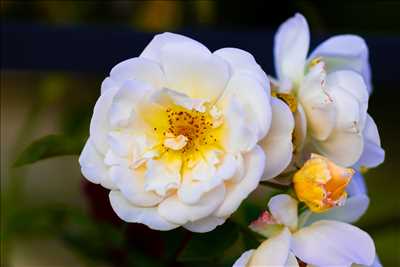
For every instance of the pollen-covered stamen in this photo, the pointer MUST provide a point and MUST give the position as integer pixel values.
(217, 118)
(289, 99)
(175, 142)
(315, 61)
(188, 130)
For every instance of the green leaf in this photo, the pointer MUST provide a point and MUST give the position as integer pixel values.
(210, 246)
(47, 147)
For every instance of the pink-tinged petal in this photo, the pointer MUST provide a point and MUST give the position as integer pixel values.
(332, 243)
(266, 225)
(263, 220)
(290, 48)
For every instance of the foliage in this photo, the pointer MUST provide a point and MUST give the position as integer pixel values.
(49, 146)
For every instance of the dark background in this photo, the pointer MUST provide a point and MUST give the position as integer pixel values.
(54, 55)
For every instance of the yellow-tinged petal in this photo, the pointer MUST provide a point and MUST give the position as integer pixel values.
(321, 184)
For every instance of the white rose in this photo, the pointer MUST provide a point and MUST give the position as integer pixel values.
(174, 134)
(328, 94)
(322, 243)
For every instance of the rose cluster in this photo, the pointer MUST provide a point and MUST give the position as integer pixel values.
(181, 136)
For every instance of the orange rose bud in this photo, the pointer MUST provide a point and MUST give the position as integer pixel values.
(321, 184)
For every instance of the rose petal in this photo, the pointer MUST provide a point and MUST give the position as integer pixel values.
(242, 61)
(345, 52)
(177, 212)
(332, 243)
(128, 97)
(237, 192)
(134, 214)
(373, 154)
(204, 225)
(318, 104)
(354, 84)
(140, 69)
(132, 186)
(203, 177)
(238, 135)
(350, 212)
(343, 148)
(253, 99)
(107, 84)
(277, 145)
(93, 167)
(273, 251)
(153, 49)
(191, 70)
(163, 174)
(100, 125)
(290, 48)
(284, 210)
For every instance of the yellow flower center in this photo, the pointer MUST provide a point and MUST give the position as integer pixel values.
(187, 130)
(321, 184)
(182, 132)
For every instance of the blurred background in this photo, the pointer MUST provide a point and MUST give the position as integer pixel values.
(54, 56)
